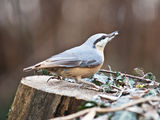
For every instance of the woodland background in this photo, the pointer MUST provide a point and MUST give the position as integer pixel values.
(33, 30)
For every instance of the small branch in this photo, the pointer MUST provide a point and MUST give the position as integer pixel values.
(111, 98)
(131, 76)
(89, 116)
(108, 97)
(113, 86)
(105, 110)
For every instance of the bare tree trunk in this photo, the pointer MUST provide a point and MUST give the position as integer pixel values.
(38, 100)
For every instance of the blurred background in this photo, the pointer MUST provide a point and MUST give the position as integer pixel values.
(33, 30)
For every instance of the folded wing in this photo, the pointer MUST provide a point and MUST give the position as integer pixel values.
(68, 60)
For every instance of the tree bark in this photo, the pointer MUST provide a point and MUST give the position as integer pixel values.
(37, 99)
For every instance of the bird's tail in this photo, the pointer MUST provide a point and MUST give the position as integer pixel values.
(33, 67)
(29, 68)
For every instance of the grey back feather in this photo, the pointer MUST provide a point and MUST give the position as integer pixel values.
(80, 56)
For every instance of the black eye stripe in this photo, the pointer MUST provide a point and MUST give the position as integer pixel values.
(99, 39)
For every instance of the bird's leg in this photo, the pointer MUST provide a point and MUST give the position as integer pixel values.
(79, 80)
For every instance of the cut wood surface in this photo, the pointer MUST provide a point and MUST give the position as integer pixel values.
(37, 99)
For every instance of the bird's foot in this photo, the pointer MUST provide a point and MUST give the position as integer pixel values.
(90, 85)
(54, 77)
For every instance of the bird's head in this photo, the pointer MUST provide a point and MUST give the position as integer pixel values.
(100, 40)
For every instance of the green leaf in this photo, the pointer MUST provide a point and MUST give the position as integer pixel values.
(111, 77)
(87, 104)
(140, 85)
(119, 77)
(123, 115)
(107, 87)
(118, 74)
(138, 72)
(131, 82)
(150, 76)
(100, 78)
(45, 72)
(95, 81)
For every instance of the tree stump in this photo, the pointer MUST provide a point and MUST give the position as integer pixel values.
(37, 99)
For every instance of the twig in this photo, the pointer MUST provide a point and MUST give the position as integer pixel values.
(111, 98)
(90, 115)
(105, 110)
(131, 76)
(108, 97)
(118, 88)
(120, 94)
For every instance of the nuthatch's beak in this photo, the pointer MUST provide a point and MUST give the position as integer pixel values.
(112, 35)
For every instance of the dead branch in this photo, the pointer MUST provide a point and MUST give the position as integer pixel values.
(105, 110)
(131, 76)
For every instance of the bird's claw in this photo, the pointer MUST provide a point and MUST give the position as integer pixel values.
(91, 86)
(50, 78)
(54, 77)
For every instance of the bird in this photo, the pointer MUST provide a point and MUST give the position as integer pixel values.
(78, 62)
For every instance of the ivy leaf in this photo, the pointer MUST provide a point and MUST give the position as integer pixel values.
(131, 82)
(100, 78)
(87, 104)
(140, 86)
(123, 115)
(107, 87)
(118, 76)
(97, 82)
(150, 76)
(138, 72)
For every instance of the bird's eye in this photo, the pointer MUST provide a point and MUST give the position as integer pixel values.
(103, 37)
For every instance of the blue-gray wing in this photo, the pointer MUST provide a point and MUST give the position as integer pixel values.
(73, 58)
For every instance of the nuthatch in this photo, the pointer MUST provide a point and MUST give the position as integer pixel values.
(79, 62)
